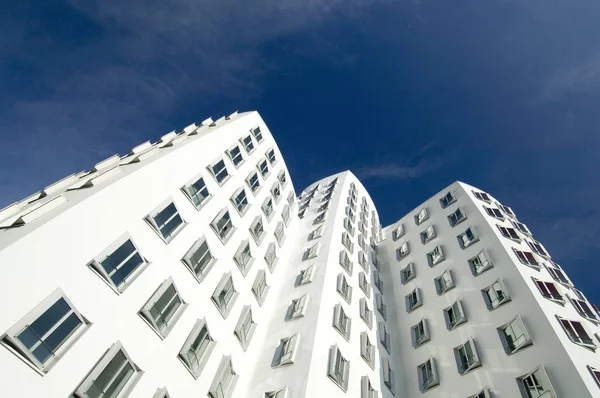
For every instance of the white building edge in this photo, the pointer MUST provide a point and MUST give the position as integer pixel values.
(187, 268)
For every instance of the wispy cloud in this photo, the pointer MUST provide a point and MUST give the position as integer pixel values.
(581, 78)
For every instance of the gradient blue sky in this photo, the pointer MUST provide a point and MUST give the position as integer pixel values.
(410, 95)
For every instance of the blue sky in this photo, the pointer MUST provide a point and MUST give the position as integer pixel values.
(411, 95)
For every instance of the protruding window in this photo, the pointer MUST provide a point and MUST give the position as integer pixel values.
(549, 291)
(225, 295)
(583, 306)
(514, 335)
(467, 357)
(199, 259)
(297, 308)
(421, 216)
(271, 257)
(164, 308)
(364, 285)
(388, 375)
(485, 393)
(366, 314)
(253, 182)
(257, 134)
(408, 273)
(225, 379)
(341, 322)
(435, 256)
(457, 217)
(219, 171)
(243, 257)
(270, 154)
(260, 287)
(197, 348)
(320, 218)
(428, 234)
(367, 350)
(420, 333)
(339, 368)
(577, 333)
(480, 263)
(343, 288)
(536, 384)
(257, 230)
(347, 242)
(282, 177)
(455, 315)
(467, 238)
(263, 168)
(248, 144)
(223, 226)
(495, 295)
(384, 337)
(366, 388)
(509, 233)
(240, 201)
(345, 262)
(267, 208)
(305, 276)
(235, 155)
(166, 221)
(482, 196)
(276, 192)
(494, 212)
(245, 327)
(402, 251)
(398, 232)
(521, 227)
(537, 248)
(428, 375)
(381, 307)
(197, 192)
(312, 251)
(286, 351)
(447, 200)
(414, 300)
(277, 394)
(444, 282)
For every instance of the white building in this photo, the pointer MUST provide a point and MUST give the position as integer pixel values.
(186, 268)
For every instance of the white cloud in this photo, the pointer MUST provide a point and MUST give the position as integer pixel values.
(581, 78)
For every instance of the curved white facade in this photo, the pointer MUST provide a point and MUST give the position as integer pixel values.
(186, 268)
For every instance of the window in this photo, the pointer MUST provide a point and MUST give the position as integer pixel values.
(267, 208)
(388, 375)
(253, 183)
(398, 232)
(312, 251)
(485, 393)
(225, 295)
(480, 263)
(282, 177)
(366, 314)
(595, 373)
(259, 287)
(482, 196)
(507, 210)
(421, 216)
(341, 322)
(343, 288)
(494, 212)
(467, 238)
(495, 295)
(270, 154)
(257, 134)
(271, 257)
(348, 225)
(197, 192)
(447, 200)
(378, 282)
(297, 307)
(316, 233)
(514, 335)
(225, 379)
(248, 144)
(363, 283)
(536, 384)
(257, 230)
(166, 221)
(244, 329)
(384, 336)
(428, 375)
(363, 261)
(549, 291)
(320, 218)
(408, 273)
(240, 201)
(286, 351)
(345, 262)
(163, 309)
(197, 348)
(467, 357)
(402, 251)
(243, 257)
(350, 213)
(198, 259)
(366, 389)
(223, 226)
(347, 242)
(455, 315)
(339, 368)
(577, 333)
(457, 217)
(413, 300)
(47, 331)
(279, 233)
(537, 248)
(527, 258)
(161, 393)
(119, 264)
(263, 168)
(521, 227)
(435, 256)
(381, 307)
(285, 215)
(235, 154)
(305, 276)
(420, 333)
(509, 233)
(219, 171)
(367, 350)
(276, 394)
(444, 282)
(276, 192)
(114, 373)
(583, 306)
(557, 273)
(291, 198)
(428, 234)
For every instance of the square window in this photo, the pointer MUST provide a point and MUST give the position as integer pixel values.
(378, 281)
(235, 155)
(485, 393)
(305, 276)
(495, 295)
(341, 322)
(271, 257)
(164, 308)
(347, 242)
(467, 238)
(408, 273)
(397, 232)
(47, 331)
(244, 329)
(166, 220)
(364, 285)
(413, 300)
(345, 262)
(253, 182)
(558, 275)
(457, 217)
(260, 287)
(279, 233)
(402, 251)
(537, 248)
(420, 333)
(388, 375)
(297, 308)
(312, 251)
(267, 208)
(447, 200)
(455, 315)
(243, 257)
(421, 216)
(222, 225)
(199, 259)
(435, 256)
(286, 351)
(444, 282)
(276, 394)
(549, 291)
(282, 177)
(248, 144)
(285, 215)
(240, 201)
(257, 230)
(428, 375)
(196, 192)
(225, 295)
(366, 388)
(366, 313)
(263, 168)
(339, 368)
(320, 218)
(480, 263)
(381, 307)
(316, 233)
(536, 384)
(521, 227)
(276, 192)
(367, 350)
(577, 333)
(384, 337)
(348, 225)
(509, 233)
(482, 196)
(119, 264)
(197, 348)
(494, 212)
(467, 357)
(527, 258)
(514, 335)
(114, 374)
(343, 288)
(270, 154)
(218, 170)
(428, 234)
(225, 379)
(257, 134)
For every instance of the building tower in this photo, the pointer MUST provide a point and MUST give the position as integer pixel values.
(188, 267)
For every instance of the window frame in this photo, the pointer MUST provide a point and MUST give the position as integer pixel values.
(223, 282)
(402, 251)
(381, 306)
(535, 264)
(549, 295)
(244, 268)
(225, 366)
(254, 189)
(413, 300)
(248, 144)
(150, 220)
(418, 338)
(459, 321)
(453, 216)
(343, 288)
(297, 308)
(366, 388)
(464, 241)
(431, 261)
(398, 232)
(287, 357)
(245, 337)
(433, 377)
(485, 265)
(345, 262)
(410, 269)
(428, 234)
(146, 311)
(215, 175)
(388, 375)
(422, 216)
(254, 230)
(575, 337)
(268, 153)
(260, 279)
(445, 276)
(257, 134)
(363, 284)
(233, 157)
(190, 196)
(270, 257)
(489, 302)
(527, 342)
(367, 350)
(546, 383)
(186, 259)
(506, 233)
(464, 347)
(266, 172)
(279, 233)
(342, 322)
(268, 208)
(305, 275)
(234, 201)
(339, 377)
(365, 313)
(214, 226)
